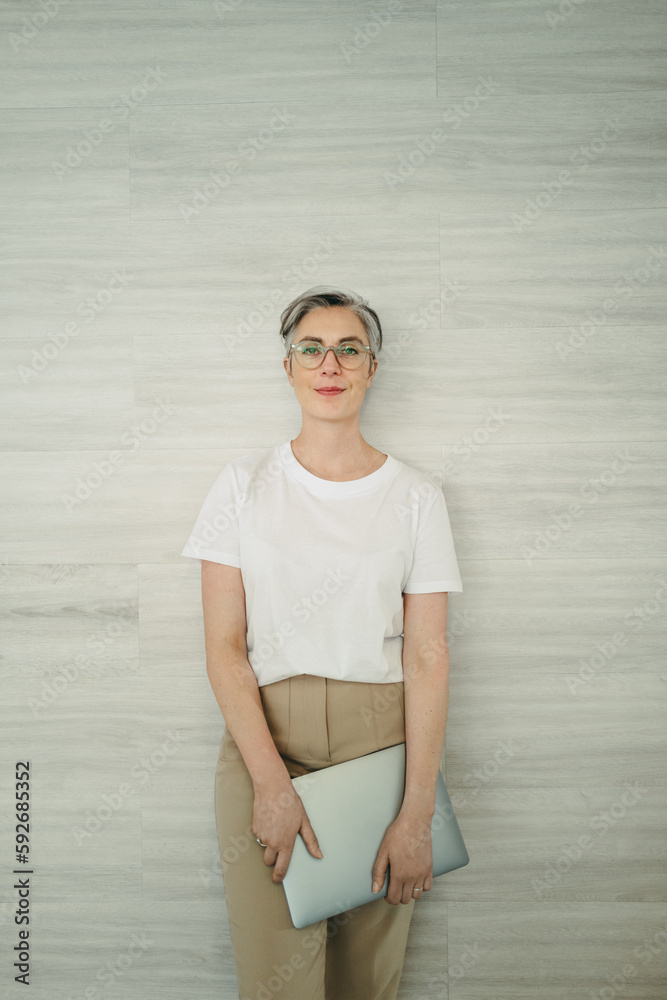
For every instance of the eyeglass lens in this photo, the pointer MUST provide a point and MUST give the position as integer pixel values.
(309, 354)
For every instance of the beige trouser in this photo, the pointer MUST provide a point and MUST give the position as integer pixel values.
(356, 955)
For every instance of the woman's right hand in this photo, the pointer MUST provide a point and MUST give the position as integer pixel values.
(278, 816)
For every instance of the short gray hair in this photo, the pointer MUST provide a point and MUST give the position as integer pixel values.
(325, 297)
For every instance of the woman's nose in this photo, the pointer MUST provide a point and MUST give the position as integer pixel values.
(335, 362)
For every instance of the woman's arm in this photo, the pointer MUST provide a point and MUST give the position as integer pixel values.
(232, 677)
(406, 847)
(426, 688)
(279, 814)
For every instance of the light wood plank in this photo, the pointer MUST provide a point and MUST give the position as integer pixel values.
(365, 156)
(549, 47)
(204, 52)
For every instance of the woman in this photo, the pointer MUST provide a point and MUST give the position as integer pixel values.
(325, 570)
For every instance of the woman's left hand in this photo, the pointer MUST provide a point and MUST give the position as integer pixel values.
(406, 848)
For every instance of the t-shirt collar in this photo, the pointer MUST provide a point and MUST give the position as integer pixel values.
(331, 488)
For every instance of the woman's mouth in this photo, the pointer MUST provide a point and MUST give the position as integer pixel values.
(332, 391)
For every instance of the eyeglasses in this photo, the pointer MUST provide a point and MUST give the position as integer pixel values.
(310, 354)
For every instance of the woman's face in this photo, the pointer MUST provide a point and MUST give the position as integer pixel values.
(330, 327)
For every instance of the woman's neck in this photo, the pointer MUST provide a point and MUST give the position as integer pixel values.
(337, 460)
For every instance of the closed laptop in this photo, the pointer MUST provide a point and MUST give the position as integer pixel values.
(350, 806)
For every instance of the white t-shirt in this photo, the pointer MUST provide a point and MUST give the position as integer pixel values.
(325, 564)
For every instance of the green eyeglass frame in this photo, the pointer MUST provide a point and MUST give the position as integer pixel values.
(338, 351)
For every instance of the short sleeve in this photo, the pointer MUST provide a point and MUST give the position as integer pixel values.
(215, 535)
(434, 566)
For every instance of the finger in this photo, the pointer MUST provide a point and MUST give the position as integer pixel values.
(282, 865)
(394, 891)
(379, 873)
(309, 839)
(270, 856)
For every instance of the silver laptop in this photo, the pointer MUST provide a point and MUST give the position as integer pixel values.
(350, 806)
